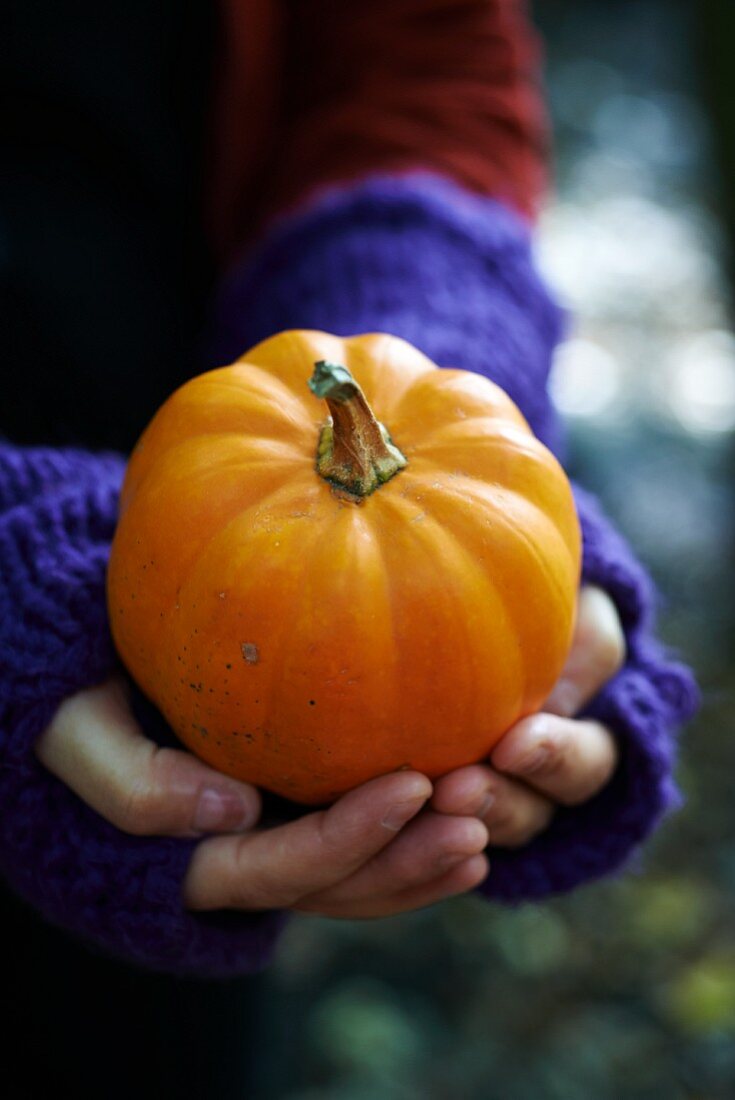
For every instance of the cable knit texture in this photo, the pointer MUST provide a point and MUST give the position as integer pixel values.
(122, 893)
(452, 273)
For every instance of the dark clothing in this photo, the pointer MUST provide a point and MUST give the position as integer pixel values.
(104, 278)
(104, 265)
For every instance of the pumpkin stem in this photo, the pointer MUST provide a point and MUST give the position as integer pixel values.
(355, 452)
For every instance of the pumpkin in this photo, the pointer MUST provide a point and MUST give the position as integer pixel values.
(321, 575)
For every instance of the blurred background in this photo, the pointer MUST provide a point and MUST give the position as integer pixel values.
(626, 989)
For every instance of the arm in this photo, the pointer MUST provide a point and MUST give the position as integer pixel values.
(119, 891)
(643, 705)
(381, 87)
(106, 838)
(123, 892)
(447, 264)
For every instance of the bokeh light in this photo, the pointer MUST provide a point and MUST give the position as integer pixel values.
(586, 379)
(699, 382)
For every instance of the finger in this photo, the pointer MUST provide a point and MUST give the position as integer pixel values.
(421, 854)
(275, 868)
(95, 746)
(458, 880)
(465, 876)
(512, 812)
(597, 653)
(568, 760)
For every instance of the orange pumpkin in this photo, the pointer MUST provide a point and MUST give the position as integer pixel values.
(313, 601)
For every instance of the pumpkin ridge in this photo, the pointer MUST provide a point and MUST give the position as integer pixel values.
(185, 401)
(289, 356)
(456, 395)
(285, 406)
(200, 561)
(430, 533)
(253, 377)
(490, 430)
(266, 501)
(481, 488)
(181, 447)
(369, 369)
(358, 536)
(185, 570)
(472, 487)
(515, 450)
(197, 584)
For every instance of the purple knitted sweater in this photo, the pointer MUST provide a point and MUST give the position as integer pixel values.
(453, 273)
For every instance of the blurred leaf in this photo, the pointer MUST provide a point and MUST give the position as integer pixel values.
(533, 940)
(670, 912)
(361, 1025)
(703, 998)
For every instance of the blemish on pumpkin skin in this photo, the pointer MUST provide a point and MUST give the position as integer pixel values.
(250, 652)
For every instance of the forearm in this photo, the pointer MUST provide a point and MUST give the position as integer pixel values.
(122, 893)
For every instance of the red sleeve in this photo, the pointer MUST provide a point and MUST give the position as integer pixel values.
(314, 92)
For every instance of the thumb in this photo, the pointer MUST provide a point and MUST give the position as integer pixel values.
(95, 746)
(598, 652)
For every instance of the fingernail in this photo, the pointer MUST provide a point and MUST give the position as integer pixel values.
(218, 809)
(564, 699)
(533, 763)
(484, 806)
(451, 859)
(402, 812)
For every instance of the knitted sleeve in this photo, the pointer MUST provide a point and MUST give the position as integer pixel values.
(453, 273)
(118, 892)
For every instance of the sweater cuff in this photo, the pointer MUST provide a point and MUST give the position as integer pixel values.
(117, 892)
(413, 255)
(643, 706)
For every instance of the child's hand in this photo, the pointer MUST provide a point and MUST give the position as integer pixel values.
(363, 857)
(547, 759)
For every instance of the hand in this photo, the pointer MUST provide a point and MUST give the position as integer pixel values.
(549, 758)
(368, 855)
